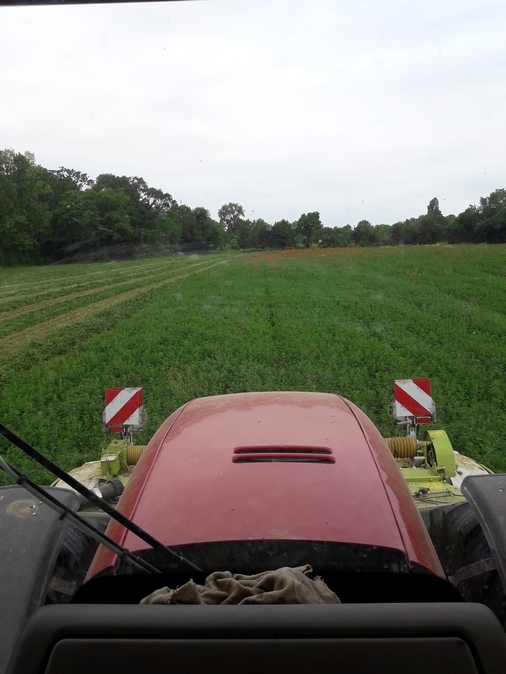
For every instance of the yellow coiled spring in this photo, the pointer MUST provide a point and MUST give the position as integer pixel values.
(134, 453)
(402, 448)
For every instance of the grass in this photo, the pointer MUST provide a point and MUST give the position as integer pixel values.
(348, 321)
(28, 323)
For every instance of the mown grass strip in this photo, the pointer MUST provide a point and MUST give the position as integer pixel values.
(44, 314)
(21, 311)
(65, 343)
(20, 339)
(89, 280)
(11, 277)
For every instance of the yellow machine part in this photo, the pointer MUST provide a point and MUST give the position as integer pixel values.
(444, 454)
(402, 448)
(133, 454)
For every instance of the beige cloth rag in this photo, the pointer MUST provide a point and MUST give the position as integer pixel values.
(282, 586)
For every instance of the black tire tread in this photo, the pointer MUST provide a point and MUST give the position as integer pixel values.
(468, 545)
(74, 558)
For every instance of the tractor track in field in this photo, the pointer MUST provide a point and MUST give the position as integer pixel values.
(27, 309)
(18, 340)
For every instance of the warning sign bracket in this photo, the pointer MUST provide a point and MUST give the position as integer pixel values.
(124, 412)
(413, 404)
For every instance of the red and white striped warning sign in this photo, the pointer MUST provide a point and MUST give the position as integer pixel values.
(123, 407)
(413, 398)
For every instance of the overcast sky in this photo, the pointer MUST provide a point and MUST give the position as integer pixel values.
(353, 109)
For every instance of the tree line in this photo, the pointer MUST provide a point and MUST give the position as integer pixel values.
(64, 215)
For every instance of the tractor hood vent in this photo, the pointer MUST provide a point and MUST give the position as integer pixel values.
(282, 454)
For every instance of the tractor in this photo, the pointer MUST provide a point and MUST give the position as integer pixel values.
(408, 533)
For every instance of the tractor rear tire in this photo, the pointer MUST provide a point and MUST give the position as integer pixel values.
(74, 559)
(468, 545)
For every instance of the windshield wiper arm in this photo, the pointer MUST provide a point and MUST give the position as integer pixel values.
(96, 500)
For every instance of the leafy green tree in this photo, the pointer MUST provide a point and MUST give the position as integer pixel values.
(485, 223)
(405, 232)
(398, 233)
(492, 204)
(74, 179)
(344, 236)
(8, 208)
(169, 229)
(229, 215)
(24, 215)
(107, 215)
(243, 232)
(364, 234)
(430, 226)
(146, 205)
(207, 231)
(309, 227)
(186, 222)
(337, 237)
(65, 227)
(383, 235)
(492, 223)
(259, 234)
(69, 221)
(329, 237)
(283, 234)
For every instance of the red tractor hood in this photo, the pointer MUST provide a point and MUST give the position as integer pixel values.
(283, 465)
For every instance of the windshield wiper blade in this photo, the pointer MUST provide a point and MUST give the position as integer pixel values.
(96, 500)
(66, 513)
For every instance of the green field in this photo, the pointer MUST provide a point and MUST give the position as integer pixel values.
(348, 321)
